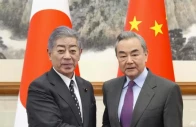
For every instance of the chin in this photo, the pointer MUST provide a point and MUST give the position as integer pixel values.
(67, 71)
(131, 75)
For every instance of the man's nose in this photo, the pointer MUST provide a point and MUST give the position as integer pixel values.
(129, 59)
(67, 55)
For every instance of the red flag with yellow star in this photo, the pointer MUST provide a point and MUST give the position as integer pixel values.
(148, 18)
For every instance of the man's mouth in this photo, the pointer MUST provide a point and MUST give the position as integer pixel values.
(67, 65)
(130, 68)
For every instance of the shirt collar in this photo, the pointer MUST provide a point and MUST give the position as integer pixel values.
(66, 79)
(139, 81)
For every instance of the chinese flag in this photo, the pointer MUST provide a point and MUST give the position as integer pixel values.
(148, 18)
(46, 15)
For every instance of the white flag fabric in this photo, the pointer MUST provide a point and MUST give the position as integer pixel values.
(46, 15)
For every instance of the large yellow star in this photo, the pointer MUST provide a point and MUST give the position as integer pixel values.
(134, 24)
(157, 28)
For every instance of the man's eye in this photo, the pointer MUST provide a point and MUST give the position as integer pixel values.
(60, 51)
(73, 51)
(122, 56)
(135, 54)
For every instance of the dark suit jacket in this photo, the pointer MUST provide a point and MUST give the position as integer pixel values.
(159, 103)
(50, 103)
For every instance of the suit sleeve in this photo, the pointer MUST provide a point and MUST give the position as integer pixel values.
(105, 119)
(42, 110)
(173, 110)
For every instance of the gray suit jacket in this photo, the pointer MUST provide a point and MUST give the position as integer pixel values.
(159, 103)
(50, 103)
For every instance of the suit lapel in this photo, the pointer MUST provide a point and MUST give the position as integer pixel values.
(115, 97)
(84, 100)
(63, 91)
(144, 98)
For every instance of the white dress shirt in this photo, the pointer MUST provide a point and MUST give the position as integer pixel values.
(139, 81)
(75, 86)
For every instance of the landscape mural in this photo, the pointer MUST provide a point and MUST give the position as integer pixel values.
(98, 22)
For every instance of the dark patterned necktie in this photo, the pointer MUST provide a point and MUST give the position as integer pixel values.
(75, 98)
(127, 109)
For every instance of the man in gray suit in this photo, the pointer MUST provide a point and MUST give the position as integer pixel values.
(59, 98)
(140, 98)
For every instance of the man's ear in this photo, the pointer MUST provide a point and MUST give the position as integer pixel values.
(146, 54)
(49, 54)
(80, 52)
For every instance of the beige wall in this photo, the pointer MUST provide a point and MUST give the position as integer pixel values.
(96, 67)
(8, 108)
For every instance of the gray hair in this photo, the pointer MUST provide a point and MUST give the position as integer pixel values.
(125, 35)
(62, 31)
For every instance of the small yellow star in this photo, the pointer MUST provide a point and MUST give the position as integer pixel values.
(134, 24)
(157, 28)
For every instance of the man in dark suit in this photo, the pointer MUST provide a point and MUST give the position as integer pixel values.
(140, 98)
(59, 98)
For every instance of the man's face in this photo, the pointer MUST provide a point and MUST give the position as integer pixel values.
(65, 55)
(131, 57)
